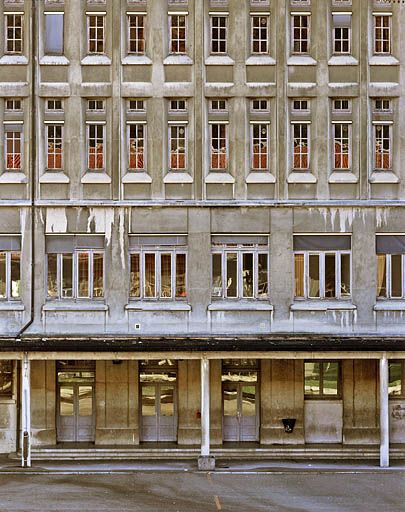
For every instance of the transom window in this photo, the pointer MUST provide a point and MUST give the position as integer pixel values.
(300, 33)
(382, 34)
(136, 33)
(95, 144)
(259, 34)
(219, 29)
(259, 133)
(177, 145)
(6, 379)
(382, 146)
(54, 146)
(136, 146)
(396, 382)
(178, 33)
(14, 33)
(96, 33)
(322, 379)
(219, 146)
(240, 269)
(341, 145)
(10, 275)
(13, 105)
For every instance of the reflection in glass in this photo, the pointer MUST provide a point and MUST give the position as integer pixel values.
(396, 275)
(15, 275)
(67, 275)
(395, 378)
(231, 274)
(3, 282)
(83, 262)
(217, 275)
(330, 378)
(150, 275)
(180, 275)
(135, 288)
(263, 275)
(166, 401)
(312, 378)
(247, 274)
(248, 400)
(381, 276)
(330, 276)
(166, 275)
(52, 275)
(148, 400)
(66, 401)
(299, 275)
(314, 275)
(230, 397)
(98, 275)
(85, 400)
(345, 275)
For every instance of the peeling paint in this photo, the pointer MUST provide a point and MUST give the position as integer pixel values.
(56, 220)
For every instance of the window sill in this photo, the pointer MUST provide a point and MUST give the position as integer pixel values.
(343, 177)
(13, 177)
(86, 305)
(260, 60)
(158, 306)
(390, 305)
(322, 305)
(173, 60)
(54, 177)
(136, 177)
(54, 60)
(95, 177)
(14, 60)
(383, 177)
(240, 305)
(178, 177)
(343, 60)
(219, 60)
(260, 177)
(136, 60)
(7, 401)
(301, 177)
(96, 60)
(11, 306)
(383, 60)
(219, 177)
(301, 60)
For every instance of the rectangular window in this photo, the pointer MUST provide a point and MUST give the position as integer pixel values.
(6, 379)
(177, 145)
(54, 33)
(178, 106)
(136, 106)
(10, 275)
(301, 145)
(342, 33)
(396, 382)
(136, 33)
(259, 105)
(178, 33)
(95, 105)
(390, 276)
(54, 146)
(219, 29)
(13, 153)
(341, 105)
(259, 137)
(382, 146)
(218, 105)
(13, 105)
(300, 33)
(341, 146)
(219, 146)
(96, 33)
(95, 138)
(240, 271)
(322, 379)
(382, 34)
(259, 34)
(136, 146)
(54, 105)
(14, 33)
(382, 105)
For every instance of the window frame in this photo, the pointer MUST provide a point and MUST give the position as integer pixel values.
(219, 138)
(388, 277)
(218, 29)
(54, 125)
(259, 40)
(96, 28)
(177, 41)
(341, 40)
(177, 125)
(381, 153)
(54, 13)
(9, 395)
(401, 394)
(300, 41)
(13, 40)
(9, 297)
(14, 139)
(382, 41)
(137, 124)
(138, 41)
(339, 383)
(342, 154)
(301, 124)
(97, 124)
(260, 154)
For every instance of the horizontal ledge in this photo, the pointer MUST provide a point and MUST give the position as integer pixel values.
(343, 60)
(74, 306)
(54, 177)
(301, 177)
(14, 60)
(260, 177)
(383, 60)
(10, 306)
(219, 60)
(96, 60)
(158, 306)
(317, 305)
(383, 177)
(178, 60)
(254, 305)
(136, 60)
(178, 177)
(56, 60)
(13, 177)
(95, 177)
(260, 60)
(301, 60)
(136, 177)
(390, 305)
(219, 177)
(343, 177)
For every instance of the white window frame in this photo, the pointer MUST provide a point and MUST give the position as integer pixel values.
(301, 40)
(178, 41)
(219, 29)
(388, 277)
(259, 110)
(177, 125)
(261, 42)
(96, 28)
(219, 124)
(9, 293)
(382, 41)
(342, 124)
(341, 110)
(97, 125)
(260, 125)
(138, 41)
(13, 40)
(301, 124)
(342, 40)
(382, 124)
(137, 124)
(14, 139)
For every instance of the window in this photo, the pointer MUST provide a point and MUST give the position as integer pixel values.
(260, 105)
(322, 266)
(240, 269)
(178, 106)
(342, 105)
(136, 146)
(341, 145)
(382, 105)
(95, 105)
(136, 106)
(96, 28)
(178, 33)
(301, 139)
(300, 33)
(14, 33)
(300, 106)
(218, 105)
(259, 34)
(382, 146)
(6, 379)
(396, 381)
(158, 273)
(322, 379)
(219, 28)
(390, 266)
(136, 33)
(177, 145)
(13, 142)
(54, 33)
(74, 272)
(54, 105)
(259, 138)
(54, 146)
(10, 274)
(382, 34)
(13, 105)
(219, 146)
(342, 33)
(95, 143)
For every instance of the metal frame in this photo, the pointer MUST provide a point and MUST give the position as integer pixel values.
(9, 297)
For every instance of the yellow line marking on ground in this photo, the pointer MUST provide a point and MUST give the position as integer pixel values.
(217, 503)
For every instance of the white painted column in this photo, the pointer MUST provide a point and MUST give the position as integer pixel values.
(384, 415)
(205, 407)
(26, 412)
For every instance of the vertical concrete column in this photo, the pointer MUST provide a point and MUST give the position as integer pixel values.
(26, 412)
(205, 461)
(384, 416)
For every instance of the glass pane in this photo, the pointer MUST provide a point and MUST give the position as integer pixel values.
(3, 283)
(313, 275)
(345, 275)
(330, 378)
(52, 275)
(262, 287)
(312, 378)
(231, 275)
(166, 401)
(381, 276)
(54, 34)
(67, 275)
(330, 275)
(148, 401)
(299, 275)
(150, 275)
(66, 401)
(6, 378)
(181, 275)
(83, 258)
(217, 275)
(166, 275)
(98, 275)
(230, 396)
(396, 275)
(249, 400)
(15, 275)
(395, 380)
(247, 275)
(135, 289)
(85, 400)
